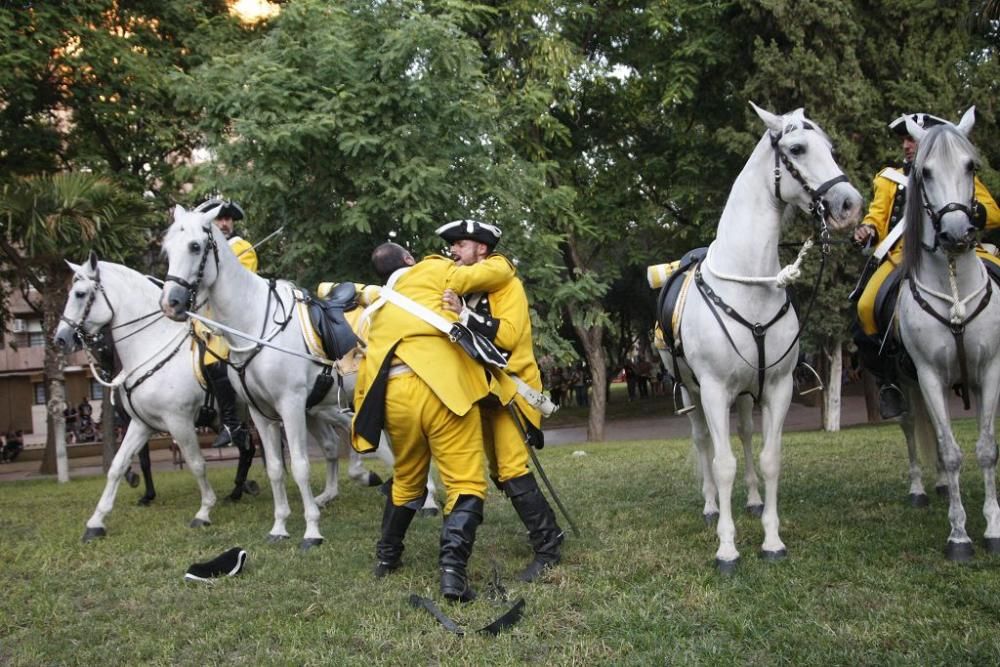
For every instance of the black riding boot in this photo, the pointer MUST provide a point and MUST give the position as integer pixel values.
(880, 362)
(233, 432)
(458, 534)
(389, 550)
(537, 516)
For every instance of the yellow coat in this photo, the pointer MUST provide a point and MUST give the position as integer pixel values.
(880, 210)
(509, 307)
(396, 336)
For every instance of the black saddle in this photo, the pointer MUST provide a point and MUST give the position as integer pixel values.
(327, 317)
(671, 290)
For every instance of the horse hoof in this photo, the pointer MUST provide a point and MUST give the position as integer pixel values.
(959, 552)
(773, 556)
(92, 534)
(374, 479)
(251, 487)
(274, 539)
(726, 567)
(199, 523)
(711, 518)
(756, 511)
(145, 501)
(992, 544)
(310, 542)
(942, 491)
(921, 499)
(427, 512)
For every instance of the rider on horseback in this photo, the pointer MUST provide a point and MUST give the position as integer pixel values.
(881, 229)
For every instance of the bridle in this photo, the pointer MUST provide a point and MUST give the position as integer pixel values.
(975, 212)
(195, 286)
(817, 206)
(90, 340)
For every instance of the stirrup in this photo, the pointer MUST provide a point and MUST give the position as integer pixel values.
(819, 381)
(679, 400)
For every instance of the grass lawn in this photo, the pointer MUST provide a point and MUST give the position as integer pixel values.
(865, 582)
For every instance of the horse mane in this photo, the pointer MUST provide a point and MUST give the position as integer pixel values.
(947, 140)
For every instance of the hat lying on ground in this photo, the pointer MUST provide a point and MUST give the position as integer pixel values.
(227, 564)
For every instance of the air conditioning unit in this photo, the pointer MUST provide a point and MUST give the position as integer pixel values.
(19, 325)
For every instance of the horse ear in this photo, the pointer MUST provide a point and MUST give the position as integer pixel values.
(75, 268)
(914, 130)
(92, 260)
(179, 211)
(968, 120)
(772, 121)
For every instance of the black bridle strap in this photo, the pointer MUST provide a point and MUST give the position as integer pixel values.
(818, 206)
(957, 330)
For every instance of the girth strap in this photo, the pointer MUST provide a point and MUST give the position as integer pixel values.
(957, 331)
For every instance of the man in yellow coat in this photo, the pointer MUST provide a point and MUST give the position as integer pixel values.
(880, 230)
(423, 390)
(502, 316)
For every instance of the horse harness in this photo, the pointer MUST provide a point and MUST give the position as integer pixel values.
(818, 210)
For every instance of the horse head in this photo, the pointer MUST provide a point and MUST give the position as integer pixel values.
(190, 242)
(87, 308)
(942, 190)
(805, 171)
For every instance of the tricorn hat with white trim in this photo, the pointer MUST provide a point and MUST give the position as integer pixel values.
(227, 209)
(484, 233)
(924, 120)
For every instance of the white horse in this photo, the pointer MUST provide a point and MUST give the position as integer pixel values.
(948, 318)
(150, 348)
(739, 335)
(275, 384)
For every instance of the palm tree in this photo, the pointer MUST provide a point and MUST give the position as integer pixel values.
(45, 220)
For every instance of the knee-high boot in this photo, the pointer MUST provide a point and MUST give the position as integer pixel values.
(395, 522)
(458, 534)
(233, 432)
(537, 516)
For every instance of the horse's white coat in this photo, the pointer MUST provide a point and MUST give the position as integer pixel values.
(746, 244)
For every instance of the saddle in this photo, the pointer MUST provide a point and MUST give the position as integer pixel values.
(333, 333)
(672, 295)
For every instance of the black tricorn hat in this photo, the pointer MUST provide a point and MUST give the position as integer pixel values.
(227, 209)
(484, 233)
(924, 120)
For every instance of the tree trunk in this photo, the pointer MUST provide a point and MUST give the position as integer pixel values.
(592, 338)
(55, 459)
(109, 444)
(834, 353)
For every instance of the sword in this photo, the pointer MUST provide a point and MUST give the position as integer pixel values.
(262, 241)
(260, 341)
(540, 469)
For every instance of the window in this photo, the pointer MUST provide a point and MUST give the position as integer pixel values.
(96, 390)
(39, 393)
(36, 339)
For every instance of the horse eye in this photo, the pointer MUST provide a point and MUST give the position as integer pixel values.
(79, 295)
(927, 173)
(194, 246)
(970, 167)
(797, 150)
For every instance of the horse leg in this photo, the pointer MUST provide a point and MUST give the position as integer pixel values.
(136, 434)
(187, 440)
(907, 423)
(702, 442)
(986, 454)
(715, 402)
(270, 437)
(147, 476)
(744, 407)
(329, 441)
(959, 546)
(295, 430)
(774, 407)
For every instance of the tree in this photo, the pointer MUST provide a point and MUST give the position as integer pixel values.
(45, 220)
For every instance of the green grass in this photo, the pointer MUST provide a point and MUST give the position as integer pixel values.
(865, 582)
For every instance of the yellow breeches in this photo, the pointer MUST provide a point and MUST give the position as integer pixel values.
(866, 304)
(505, 448)
(420, 426)
(216, 347)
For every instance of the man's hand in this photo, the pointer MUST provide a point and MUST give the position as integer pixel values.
(451, 301)
(863, 235)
